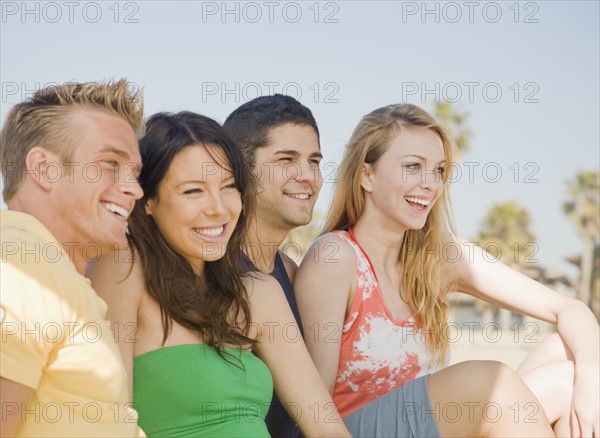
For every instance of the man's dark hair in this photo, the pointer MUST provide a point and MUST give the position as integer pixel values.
(250, 123)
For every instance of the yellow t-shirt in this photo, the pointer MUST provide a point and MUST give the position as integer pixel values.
(55, 339)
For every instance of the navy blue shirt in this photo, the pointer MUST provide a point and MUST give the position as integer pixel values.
(278, 421)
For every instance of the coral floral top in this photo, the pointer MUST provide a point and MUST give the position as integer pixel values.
(378, 354)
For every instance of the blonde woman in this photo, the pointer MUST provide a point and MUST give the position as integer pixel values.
(372, 291)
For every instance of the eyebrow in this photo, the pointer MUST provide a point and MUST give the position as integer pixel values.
(191, 181)
(114, 151)
(229, 177)
(421, 158)
(296, 153)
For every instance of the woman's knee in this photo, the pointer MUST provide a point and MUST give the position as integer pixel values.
(491, 380)
(486, 391)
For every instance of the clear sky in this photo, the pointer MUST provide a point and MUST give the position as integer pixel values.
(527, 73)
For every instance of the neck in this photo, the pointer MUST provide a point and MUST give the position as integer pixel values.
(263, 246)
(47, 217)
(381, 244)
(74, 251)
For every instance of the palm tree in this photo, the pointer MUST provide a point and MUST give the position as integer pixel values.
(455, 123)
(582, 207)
(505, 234)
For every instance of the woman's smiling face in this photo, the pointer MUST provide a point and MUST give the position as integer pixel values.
(197, 204)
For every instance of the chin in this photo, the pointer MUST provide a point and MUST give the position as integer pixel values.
(300, 221)
(213, 258)
(416, 227)
(120, 238)
(211, 254)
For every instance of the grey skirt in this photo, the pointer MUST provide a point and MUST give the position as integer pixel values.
(404, 412)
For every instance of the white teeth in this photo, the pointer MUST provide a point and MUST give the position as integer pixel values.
(299, 196)
(209, 232)
(116, 209)
(418, 201)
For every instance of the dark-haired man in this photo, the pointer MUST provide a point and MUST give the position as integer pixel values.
(280, 139)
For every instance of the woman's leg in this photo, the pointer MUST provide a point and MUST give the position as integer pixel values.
(485, 399)
(552, 385)
(551, 349)
(548, 371)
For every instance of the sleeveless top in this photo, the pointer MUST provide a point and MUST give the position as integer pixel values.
(280, 274)
(190, 391)
(279, 423)
(378, 354)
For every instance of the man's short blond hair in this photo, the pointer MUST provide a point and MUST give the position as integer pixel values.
(42, 120)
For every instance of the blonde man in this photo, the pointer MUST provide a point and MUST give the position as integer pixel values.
(70, 161)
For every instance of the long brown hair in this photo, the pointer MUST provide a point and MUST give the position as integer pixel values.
(420, 249)
(215, 304)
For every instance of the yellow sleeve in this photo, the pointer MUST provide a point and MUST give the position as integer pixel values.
(31, 323)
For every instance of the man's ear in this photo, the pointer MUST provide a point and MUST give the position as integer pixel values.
(365, 177)
(43, 167)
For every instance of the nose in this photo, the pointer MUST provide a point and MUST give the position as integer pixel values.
(305, 172)
(130, 186)
(215, 205)
(430, 179)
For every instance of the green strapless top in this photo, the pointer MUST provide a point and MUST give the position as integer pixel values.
(190, 391)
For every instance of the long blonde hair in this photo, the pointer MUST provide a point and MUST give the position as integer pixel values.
(421, 249)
